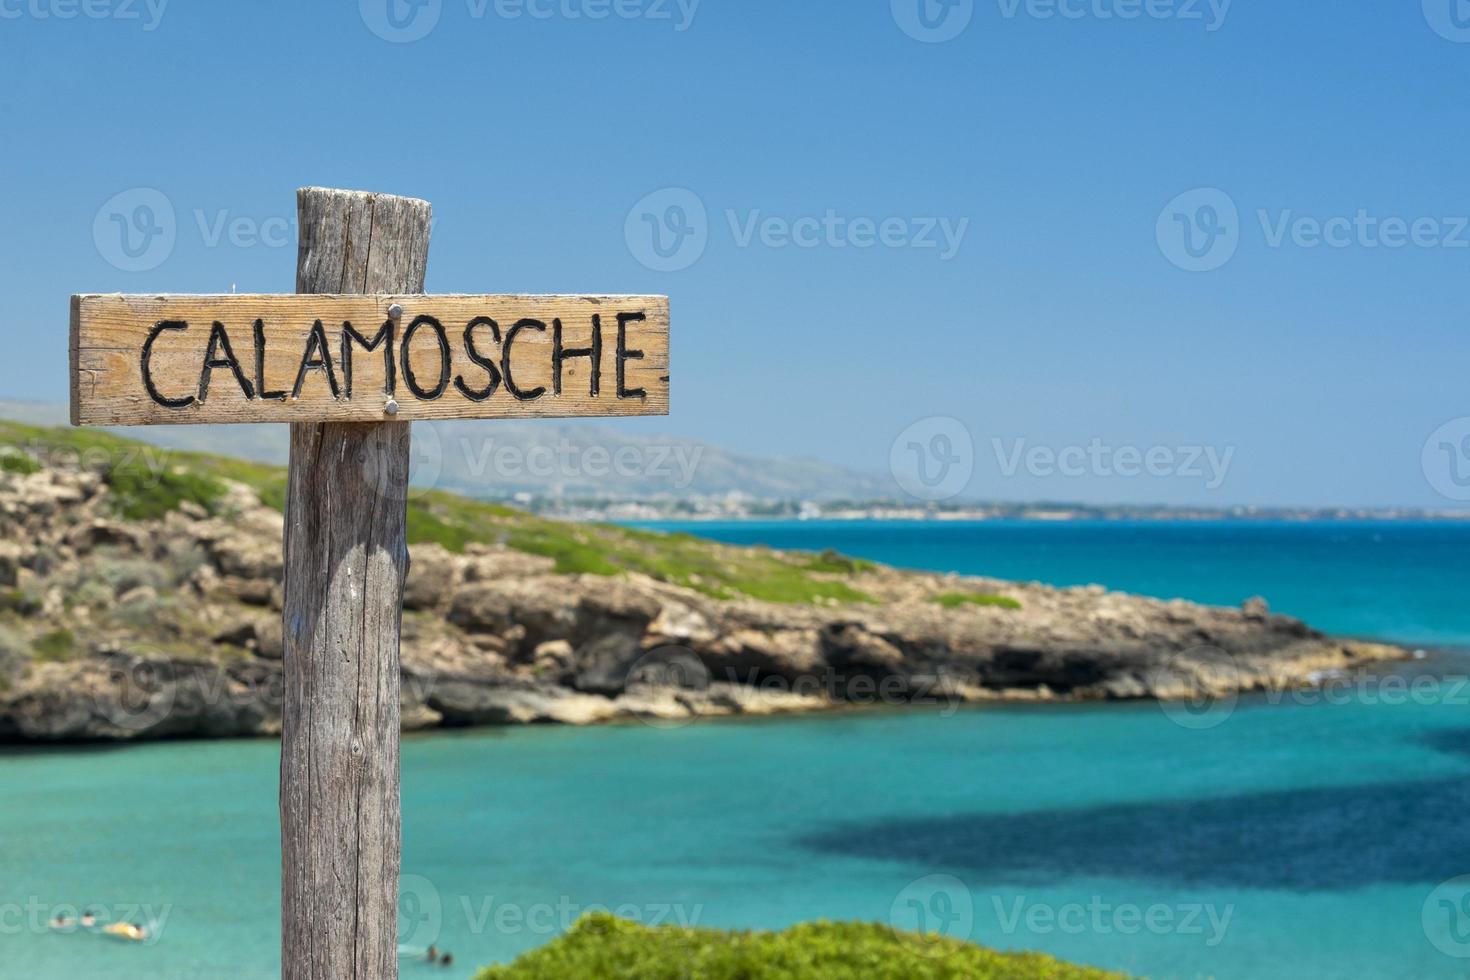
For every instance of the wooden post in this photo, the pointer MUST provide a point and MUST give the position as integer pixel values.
(346, 557)
(156, 359)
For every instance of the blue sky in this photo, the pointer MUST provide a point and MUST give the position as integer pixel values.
(1054, 317)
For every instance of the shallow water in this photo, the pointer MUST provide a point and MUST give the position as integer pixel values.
(1288, 841)
(1307, 837)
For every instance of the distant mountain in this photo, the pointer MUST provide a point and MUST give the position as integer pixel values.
(543, 458)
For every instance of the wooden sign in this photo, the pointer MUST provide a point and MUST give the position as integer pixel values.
(372, 350)
(155, 360)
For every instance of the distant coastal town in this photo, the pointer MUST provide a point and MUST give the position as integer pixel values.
(741, 507)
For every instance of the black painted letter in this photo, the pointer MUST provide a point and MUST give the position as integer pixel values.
(593, 353)
(316, 343)
(383, 337)
(480, 359)
(409, 380)
(265, 393)
(510, 339)
(153, 392)
(625, 355)
(219, 339)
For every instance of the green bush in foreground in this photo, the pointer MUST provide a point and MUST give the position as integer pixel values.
(602, 947)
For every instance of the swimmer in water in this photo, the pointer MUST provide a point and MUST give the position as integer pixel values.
(126, 930)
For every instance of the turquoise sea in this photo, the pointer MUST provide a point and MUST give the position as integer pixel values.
(1286, 840)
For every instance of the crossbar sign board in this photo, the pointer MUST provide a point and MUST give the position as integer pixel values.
(172, 359)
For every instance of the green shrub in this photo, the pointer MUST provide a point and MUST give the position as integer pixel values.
(19, 601)
(18, 463)
(139, 494)
(56, 646)
(601, 947)
(954, 600)
(836, 563)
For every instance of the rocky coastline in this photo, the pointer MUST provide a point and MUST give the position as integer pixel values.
(123, 628)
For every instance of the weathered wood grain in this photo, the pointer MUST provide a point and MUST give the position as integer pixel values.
(135, 363)
(346, 557)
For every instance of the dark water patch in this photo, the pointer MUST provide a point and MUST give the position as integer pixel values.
(1309, 840)
(1455, 741)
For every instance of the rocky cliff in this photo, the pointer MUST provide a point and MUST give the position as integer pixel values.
(140, 598)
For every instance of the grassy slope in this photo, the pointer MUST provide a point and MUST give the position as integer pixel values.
(601, 947)
(141, 491)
